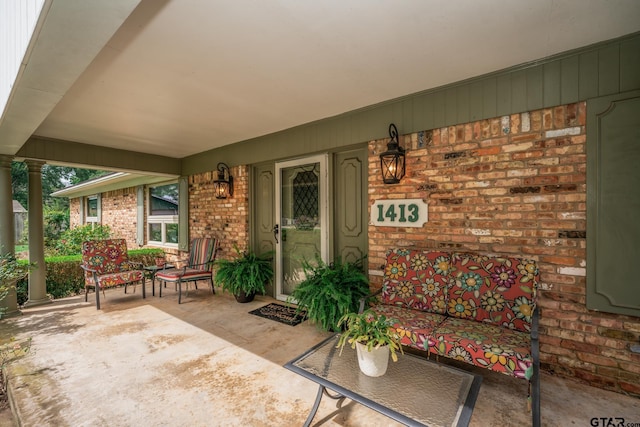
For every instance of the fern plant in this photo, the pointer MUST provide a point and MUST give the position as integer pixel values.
(248, 273)
(329, 291)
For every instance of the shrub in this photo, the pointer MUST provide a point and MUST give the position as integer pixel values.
(70, 242)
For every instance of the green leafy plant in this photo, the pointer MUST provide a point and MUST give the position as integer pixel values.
(370, 329)
(248, 272)
(70, 242)
(11, 271)
(330, 290)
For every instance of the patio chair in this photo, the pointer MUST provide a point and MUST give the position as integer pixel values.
(106, 264)
(199, 266)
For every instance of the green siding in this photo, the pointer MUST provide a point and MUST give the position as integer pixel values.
(630, 64)
(588, 75)
(535, 93)
(519, 91)
(609, 70)
(569, 80)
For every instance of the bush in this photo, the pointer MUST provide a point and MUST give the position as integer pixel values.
(56, 222)
(65, 277)
(70, 242)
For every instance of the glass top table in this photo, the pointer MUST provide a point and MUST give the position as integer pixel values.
(414, 391)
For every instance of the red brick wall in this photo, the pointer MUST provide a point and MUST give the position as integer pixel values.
(120, 213)
(516, 185)
(227, 219)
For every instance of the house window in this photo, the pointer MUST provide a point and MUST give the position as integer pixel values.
(91, 209)
(162, 219)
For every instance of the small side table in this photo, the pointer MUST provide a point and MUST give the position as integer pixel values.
(152, 270)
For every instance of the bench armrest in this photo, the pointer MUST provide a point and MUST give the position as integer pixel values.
(86, 268)
(364, 300)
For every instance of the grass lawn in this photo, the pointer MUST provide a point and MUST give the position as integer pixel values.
(21, 248)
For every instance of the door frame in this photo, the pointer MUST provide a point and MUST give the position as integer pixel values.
(323, 160)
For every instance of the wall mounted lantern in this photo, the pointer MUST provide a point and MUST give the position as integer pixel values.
(223, 186)
(392, 161)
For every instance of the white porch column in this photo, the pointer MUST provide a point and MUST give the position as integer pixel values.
(7, 231)
(37, 277)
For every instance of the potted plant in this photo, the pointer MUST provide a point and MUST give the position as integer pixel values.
(245, 275)
(374, 339)
(329, 291)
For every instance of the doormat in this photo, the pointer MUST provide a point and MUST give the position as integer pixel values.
(280, 313)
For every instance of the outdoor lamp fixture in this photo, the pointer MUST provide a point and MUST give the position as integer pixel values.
(392, 161)
(223, 186)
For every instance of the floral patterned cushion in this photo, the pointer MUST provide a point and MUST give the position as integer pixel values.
(110, 260)
(117, 279)
(501, 291)
(497, 348)
(416, 279)
(413, 326)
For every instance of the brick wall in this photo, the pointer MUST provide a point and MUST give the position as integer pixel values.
(516, 185)
(74, 213)
(120, 213)
(227, 219)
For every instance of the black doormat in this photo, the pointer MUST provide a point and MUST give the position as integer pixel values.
(280, 313)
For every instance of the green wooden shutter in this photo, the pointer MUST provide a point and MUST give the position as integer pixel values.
(613, 203)
(140, 215)
(183, 213)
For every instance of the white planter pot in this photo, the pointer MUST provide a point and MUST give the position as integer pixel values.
(372, 363)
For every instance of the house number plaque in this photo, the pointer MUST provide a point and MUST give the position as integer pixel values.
(399, 213)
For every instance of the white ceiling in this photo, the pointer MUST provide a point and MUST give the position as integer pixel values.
(184, 76)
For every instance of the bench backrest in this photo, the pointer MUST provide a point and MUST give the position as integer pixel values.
(416, 279)
(496, 290)
(105, 256)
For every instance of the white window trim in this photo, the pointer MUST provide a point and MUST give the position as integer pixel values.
(163, 220)
(91, 219)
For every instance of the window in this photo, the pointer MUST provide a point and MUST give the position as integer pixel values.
(162, 219)
(91, 210)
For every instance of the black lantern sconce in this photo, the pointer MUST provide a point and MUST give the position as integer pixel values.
(392, 161)
(223, 186)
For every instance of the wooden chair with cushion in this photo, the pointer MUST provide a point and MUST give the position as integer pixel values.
(199, 266)
(106, 264)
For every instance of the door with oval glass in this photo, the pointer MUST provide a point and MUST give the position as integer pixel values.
(301, 229)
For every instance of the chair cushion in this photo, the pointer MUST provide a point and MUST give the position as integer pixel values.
(413, 326)
(117, 279)
(175, 274)
(500, 349)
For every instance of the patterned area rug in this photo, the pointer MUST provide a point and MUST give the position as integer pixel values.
(280, 313)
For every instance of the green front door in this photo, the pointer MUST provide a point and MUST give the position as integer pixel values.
(302, 220)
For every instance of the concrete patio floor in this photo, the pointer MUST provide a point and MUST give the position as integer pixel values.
(207, 362)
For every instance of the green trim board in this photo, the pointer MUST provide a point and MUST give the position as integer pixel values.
(95, 157)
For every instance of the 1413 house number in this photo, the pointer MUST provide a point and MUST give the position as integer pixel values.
(399, 213)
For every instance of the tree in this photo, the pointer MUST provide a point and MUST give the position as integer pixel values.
(54, 178)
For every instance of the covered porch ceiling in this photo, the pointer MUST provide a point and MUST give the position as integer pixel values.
(179, 77)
